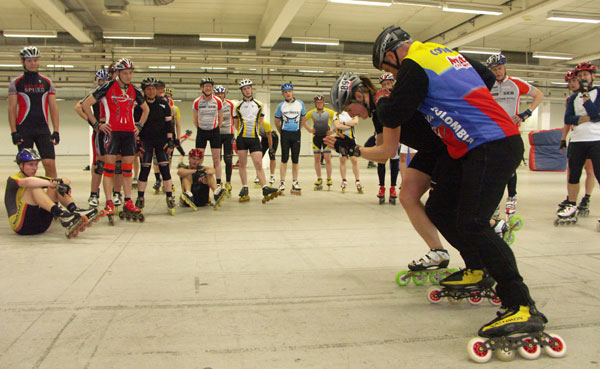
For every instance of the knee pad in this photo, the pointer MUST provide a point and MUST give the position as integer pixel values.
(164, 171)
(118, 166)
(109, 169)
(99, 167)
(144, 173)
(127, 169)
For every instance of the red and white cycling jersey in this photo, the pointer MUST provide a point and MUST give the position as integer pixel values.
(508, 93)
(208, 112)
(118, 104)
(227, 126)
(32, 90)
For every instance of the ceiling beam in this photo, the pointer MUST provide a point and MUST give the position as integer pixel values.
(277, 17)
(467, 33)
(58, 12)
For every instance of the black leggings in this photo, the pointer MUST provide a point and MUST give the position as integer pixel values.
(465, 194)
(290, 140)
(512, 185)
(579, 152)
(227, 152)
(394, 170)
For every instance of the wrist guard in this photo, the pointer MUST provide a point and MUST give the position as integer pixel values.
(16, 137)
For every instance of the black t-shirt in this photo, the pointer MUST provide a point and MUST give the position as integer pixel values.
(156, 126)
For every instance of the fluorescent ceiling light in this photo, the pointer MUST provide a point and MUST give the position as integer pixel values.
(362, 2)
(315, 41)
(478, 50)
(423, 3)
(471, 8)
(556, 15)
(560, 83)
(10, 65)
(129, 35)
(60, 66)
(161, 67)
(310, 71)
(556, 56)
(215, 68)
(215, 37)
(29, 33)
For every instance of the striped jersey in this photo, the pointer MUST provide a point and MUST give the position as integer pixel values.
(249, 113)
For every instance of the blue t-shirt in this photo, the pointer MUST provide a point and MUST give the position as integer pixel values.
(290, 114)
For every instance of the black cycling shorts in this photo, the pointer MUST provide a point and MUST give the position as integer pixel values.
(248, 143)
(212, 136)
(119, 142)
(42, 141)
(35, 220)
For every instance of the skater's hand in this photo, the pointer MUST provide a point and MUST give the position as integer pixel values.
(329, 141)
(563, 145)
(63, 189)
(17, 139)
(105, 127)
(524, 115)
(346, 146)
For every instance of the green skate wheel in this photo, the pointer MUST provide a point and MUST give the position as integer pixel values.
(509, 238)
(436, 277)
(516, 223)
(403, 278)
(419, 278)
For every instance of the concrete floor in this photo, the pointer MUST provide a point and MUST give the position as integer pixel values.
(301, 282)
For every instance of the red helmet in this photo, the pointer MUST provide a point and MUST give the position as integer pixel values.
(386, 77)
(585, 66)
(123, 64)
(196, 153)
(570, 75)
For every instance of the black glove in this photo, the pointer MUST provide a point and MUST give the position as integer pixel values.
(63, 189)
(584, 87)
(524, 115)
(55, 137)
(271, 151)
(201, 172)
(170, 143)
(17, 138)
(563, 144)
(346, 146)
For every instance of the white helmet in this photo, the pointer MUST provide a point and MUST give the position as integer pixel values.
(29, 52)
(245, 82)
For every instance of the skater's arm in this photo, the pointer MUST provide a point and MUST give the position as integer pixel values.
(145, 113)
(278, 124)
(12, 115)
(37, 182)
(79, 110)
(270, 139)
(388, 149)
(53, 106)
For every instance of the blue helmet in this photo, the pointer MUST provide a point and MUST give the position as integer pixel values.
(219, 89)
(26, 155)
(496, 59)
(287, 87)
(102, 74)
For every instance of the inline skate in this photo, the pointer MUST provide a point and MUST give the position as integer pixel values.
(319, 184)
(91, 216)
(157, 186)
(271, 180)
(244, 195)
(359, 187)
(583, 209)
(117, 200)
(344, 185)
(134, 183)
(188, 199)
(219, 197)
(381, 195)
(140, 202)
(228, 188)
(511, 205)
(296, 189)
(72, 222)
(516, 329)
(94, 200)
(170, 205)
(329, 184)
(257, 183)
(130, 212)
(282, 187)
(393, 195)
(473, 285)
(269, 193)
(432, 266)
(109, 211)
(567, 216)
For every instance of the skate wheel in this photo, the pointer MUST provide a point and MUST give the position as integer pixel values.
(436, 277)
(69, 235)
(171, 211)
(453, 299)
(516, 223)
(419, 278)
(478, 350)
(509, 238)
(556, 222)
(495, 300)
(121, 215)
(403, 278)
(434, 295)
(475, 298)
(141, 217)
(505, 354)
(530, 351)
(556, 347)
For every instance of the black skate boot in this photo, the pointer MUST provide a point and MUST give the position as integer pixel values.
(473, 285)
(468, 278)
(72, 223)
(219, 197)
(157, 186)
(583, 209)
(90, 216)
(269, 193)
(188, 199)
(516, 319)
(170, 205)
(244, 195)
(140, 202)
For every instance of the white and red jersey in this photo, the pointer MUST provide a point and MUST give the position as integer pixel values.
(118, 104)
(227, 126)
(32, 90)
(508, 93)
(208, 109)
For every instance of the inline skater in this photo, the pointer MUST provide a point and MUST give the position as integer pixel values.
(248, 118)
(119, 97)
(156, 137)
(470, 178)
(30, 97)
(197, 180)
(31, 208)
(387, 81)
(344, 125)
(226, 134)
(269, 142)
(322, 119)
(208, 118)
(507, 91)
(290, 117)
(583, 113)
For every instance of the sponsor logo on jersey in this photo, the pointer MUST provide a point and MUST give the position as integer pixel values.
(441, 50)
(451, 123)
(458, 62)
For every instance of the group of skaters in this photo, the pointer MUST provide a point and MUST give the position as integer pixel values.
(459, 117)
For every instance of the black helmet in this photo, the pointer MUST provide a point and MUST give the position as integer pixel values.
(389, 39)
(149, 81)
(203, 81)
